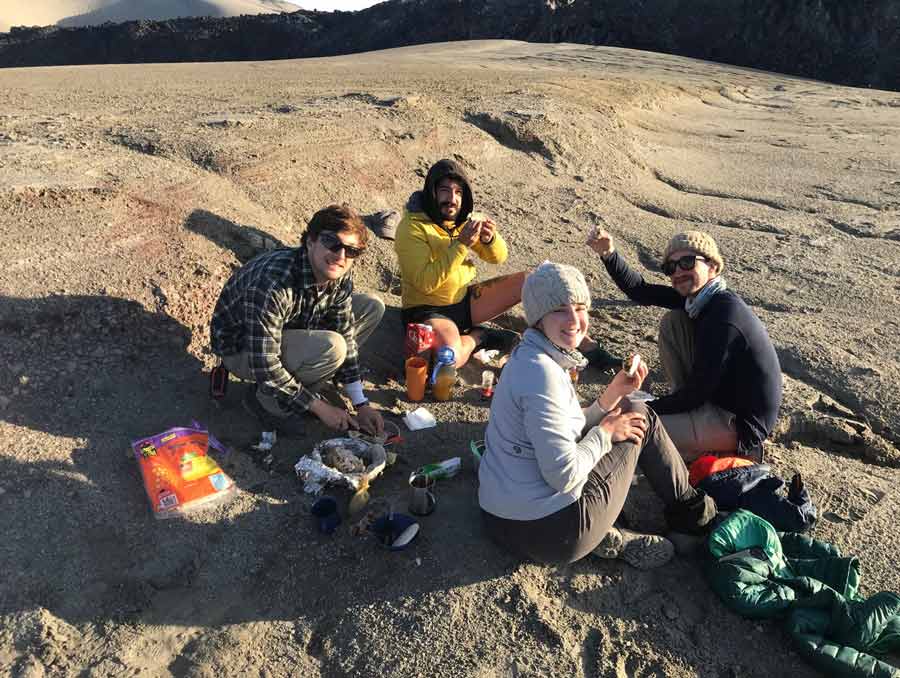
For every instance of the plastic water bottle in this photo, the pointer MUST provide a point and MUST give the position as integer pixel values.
(444, 375)
(438, 471)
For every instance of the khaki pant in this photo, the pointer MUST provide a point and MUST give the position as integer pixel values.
(313, 356)
(708, 428)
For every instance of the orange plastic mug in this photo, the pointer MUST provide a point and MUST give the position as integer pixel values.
(416, 375)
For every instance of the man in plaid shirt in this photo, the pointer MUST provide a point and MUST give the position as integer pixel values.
(289, 321)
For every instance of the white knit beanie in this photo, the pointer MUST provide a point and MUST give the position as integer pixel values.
(550, 286)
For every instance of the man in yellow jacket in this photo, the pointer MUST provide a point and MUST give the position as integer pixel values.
(433, 243)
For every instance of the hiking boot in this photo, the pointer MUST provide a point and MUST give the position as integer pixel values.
(602, 359)
(383, 224)
(291, 426)
(641, 551)
(611, 546)
(497, 340)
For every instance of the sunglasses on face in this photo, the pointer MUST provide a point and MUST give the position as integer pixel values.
(685, 263)
(334, 244)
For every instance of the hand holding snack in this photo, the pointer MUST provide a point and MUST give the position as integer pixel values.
(629, 378)
(487, 231)
(601, 242)
(632, 364)
(635, 369)
(468, 234)
(486, 225)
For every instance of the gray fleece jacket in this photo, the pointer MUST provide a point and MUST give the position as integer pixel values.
(540, 444)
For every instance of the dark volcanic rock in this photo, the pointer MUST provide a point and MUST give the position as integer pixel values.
(852, 43)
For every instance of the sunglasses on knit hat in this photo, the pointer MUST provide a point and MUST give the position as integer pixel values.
(685, 263)
(334, 244)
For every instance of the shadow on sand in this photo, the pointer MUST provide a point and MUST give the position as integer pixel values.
(245, 241)
(79, 539)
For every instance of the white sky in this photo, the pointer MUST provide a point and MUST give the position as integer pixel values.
(327, 5)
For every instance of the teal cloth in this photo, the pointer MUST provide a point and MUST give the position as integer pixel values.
(760, 573)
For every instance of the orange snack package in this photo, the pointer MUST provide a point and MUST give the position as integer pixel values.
(179, 475)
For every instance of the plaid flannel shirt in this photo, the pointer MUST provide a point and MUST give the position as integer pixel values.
(277, 291)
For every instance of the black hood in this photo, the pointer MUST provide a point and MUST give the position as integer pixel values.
(443, 169)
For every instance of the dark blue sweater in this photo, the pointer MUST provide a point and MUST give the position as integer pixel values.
(735, 365)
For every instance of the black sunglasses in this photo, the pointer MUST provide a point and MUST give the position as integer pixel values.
(334, 244)
(685, 263)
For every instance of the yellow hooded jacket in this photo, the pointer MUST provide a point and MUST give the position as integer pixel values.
(434, 265)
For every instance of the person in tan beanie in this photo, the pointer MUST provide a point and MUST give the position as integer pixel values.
(716, 353)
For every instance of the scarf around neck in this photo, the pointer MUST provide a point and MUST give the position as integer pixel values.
(562, 357)
(693, 305)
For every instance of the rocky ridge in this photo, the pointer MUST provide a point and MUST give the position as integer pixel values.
(824, 39)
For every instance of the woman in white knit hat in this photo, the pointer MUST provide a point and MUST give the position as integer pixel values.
(554, 476)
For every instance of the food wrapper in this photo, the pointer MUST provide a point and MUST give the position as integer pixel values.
(418, 419)
(315, 474)
(486, 356)
(179, 475)
(419, 339)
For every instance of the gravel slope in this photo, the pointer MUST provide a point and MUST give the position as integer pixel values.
(129, 193)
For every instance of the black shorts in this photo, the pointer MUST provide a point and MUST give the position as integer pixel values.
(460, 313)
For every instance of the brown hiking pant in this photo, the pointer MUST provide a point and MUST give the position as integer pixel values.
(708, 428)
(576, 530)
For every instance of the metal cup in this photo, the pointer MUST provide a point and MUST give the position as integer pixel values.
(421, 495)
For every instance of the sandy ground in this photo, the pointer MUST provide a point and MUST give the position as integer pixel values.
(127, 196)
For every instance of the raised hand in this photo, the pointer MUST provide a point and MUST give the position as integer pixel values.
(601, 242)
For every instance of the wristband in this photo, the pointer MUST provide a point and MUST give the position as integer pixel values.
(355, 390)
(362, 403)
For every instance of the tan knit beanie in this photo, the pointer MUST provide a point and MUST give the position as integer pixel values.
(698, 242)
